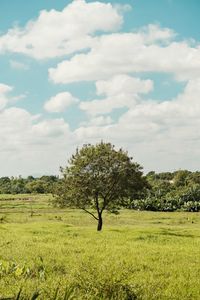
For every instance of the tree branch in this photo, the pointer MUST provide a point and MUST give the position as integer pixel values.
(106, 198)
(90, 213)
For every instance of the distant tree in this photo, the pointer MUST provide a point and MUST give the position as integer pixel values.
(36, 186)
(181, 178)
(49, 182)
(99, 177)
(48, 178)
(5, 185)
(194, 178)
(165, 176)
(18, 185)
(30, 178)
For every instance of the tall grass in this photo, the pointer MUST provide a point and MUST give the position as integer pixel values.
(57, 254)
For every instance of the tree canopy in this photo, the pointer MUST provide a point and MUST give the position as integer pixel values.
(99, 177)
(19, 185)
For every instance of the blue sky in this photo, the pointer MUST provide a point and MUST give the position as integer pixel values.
(74, 72)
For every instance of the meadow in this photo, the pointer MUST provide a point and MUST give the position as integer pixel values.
(52, 253)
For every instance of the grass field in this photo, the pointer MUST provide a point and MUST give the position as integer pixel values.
(57, 254)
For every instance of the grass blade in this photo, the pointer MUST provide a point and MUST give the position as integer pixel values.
(18, 295)
(35, 295)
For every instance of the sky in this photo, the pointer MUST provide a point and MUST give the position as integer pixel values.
(77, 72)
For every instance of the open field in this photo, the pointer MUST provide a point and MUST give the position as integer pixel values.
(59, 254)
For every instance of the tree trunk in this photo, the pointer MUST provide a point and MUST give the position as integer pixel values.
(100, 223)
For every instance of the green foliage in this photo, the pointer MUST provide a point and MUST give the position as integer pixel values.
(19, 185)
(37, 186)
(99, 177)
(102, 178)
(5, 185)
(181, 178)
(178, 191)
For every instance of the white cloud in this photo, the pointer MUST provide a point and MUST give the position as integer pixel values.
(56, 33)
(121, 84)
(4, 89)
(121, 8)
(98, 121)
(60, 102)
(5, 99)
(18, 65)
(50, 128)
(121, 91)
(17, 98)
(19, 128)
(154, 33)
(126, 53)
(160, 135)
(28, 143)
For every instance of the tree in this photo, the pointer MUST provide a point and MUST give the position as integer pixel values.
(101, 178)
(5, 185)
(181, 178)
(36, 186)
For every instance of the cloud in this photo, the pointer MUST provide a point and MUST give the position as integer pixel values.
(148, 50)
(121, 84)
(50, 128)
(60, 102)
(4, 90)
(98, 121)
(18, 65)
(154, 33)
(5, 99)
(20, 128)
(56, 33)
(161, 135)
(29, 142)
(121, 91)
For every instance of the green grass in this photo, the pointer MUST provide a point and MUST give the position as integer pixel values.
(59, 254)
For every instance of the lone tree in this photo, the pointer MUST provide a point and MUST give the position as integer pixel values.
(101, 178)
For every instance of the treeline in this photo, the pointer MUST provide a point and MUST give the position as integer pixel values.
(167, 191)
(19, 185)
